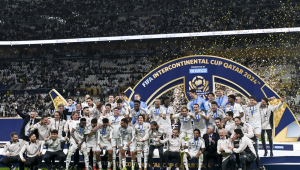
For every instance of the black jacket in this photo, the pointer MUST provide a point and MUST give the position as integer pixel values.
(26, 119)
(213, 147)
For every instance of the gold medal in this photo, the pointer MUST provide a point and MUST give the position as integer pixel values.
(209, 143)
(252, 115)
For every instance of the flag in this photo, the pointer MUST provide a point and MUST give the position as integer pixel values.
(57, 99)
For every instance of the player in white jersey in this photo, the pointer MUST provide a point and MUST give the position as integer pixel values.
(86, 115)
(135, 112)
(91, 141)
(104, 139)
(123, 108)
(79, 133)
(141, 129)
(196, 148)
(169, 110)
(85, 103)
(157, 113)
(215, 112)
(211, 98)
(115, 122)
(124, 102)
(127, 135)
(230, 124)
(111, 101)
(235, 108)
(199, 119)
(186, 128)
(105, 114)
(267, 119)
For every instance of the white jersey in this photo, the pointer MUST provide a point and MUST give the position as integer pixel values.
(104, 115)
(195, 145)
(186, 123)
(236, 109)
(92, 140)
(169, 109)
(141, 130)
(88, 120)
(58, 125)
(116, 123)
(113, 105)
(252, 115)
(200, 122)
(135, 114)
(218, 113)
(224, 143)
(124, 111)
(104, 134)
(154, 114)
(127, 134)
(43, 130)
(265, 113)
(79, 132)
(13, 148)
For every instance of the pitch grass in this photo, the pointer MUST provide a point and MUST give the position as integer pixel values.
(42, 169)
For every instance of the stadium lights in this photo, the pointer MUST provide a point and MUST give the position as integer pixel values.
(153, 36)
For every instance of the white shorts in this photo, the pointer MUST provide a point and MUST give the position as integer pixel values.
(74, 146)
(257, 130)
(203, 131)
(193, 154)
(106, 146)
(142, 146)
(116, 142)
(91, 146)
(132, 146)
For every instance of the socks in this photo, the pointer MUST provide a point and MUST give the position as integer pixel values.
(99, 164)
(114, 157)
(124, 162)
(94, 160)
(108, 164)
(145, 160)
(200, 161)
(132, 163)
(185, 162)
(139, 159)
(120, 158)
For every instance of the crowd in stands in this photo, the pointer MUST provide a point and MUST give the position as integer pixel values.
(273, 57)
(53, 19)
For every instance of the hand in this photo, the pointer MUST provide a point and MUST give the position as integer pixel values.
(40, 154)
(282, 98)
(157, 139)
(31, 126)
(227, 105)
(108, 139)
(37, 142)
(117, 97)
(221, 149)
(8, 154)
(100, 146)
(160, 115)
(100, 126)
(185, 147)
(137, 139)
(95, 128)
(14, 104)
(67, 130)
(23, 160)
(230, 147)
(171, 113)
(46, 139)
(198, 154)
(130, 124)
(79, 147)
(66, 138)
(128, 143)
(120, 114)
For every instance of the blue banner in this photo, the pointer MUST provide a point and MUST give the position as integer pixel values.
(202, 73)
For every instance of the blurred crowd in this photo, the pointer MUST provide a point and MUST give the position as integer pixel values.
(55, 19)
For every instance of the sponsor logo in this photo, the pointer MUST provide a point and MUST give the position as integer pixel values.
(198, 70)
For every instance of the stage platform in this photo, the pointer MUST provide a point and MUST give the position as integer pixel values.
(286, 156)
